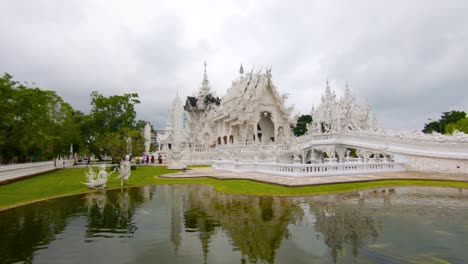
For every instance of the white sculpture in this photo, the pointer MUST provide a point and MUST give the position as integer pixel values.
(101, 180)
(125, 168)
(175, 160)
(90, 175)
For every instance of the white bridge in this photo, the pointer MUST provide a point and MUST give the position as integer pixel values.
(418, 151)
(360, 152)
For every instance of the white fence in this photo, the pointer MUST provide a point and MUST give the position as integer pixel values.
(10, 172)
(309, 170)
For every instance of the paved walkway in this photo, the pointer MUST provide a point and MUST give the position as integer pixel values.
(303, 181)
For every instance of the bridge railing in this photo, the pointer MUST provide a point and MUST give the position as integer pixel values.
(309, 170)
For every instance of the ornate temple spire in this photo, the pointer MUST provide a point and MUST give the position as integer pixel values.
(327, 90)
(347, 91)
(205, 86)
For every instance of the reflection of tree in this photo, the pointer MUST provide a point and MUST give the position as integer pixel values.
(25, 229)
(256, 225)
(341, 224)
(115, 216)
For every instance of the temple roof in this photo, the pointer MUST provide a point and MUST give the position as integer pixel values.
(243, 98)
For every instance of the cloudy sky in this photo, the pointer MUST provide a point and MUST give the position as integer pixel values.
(409, 59)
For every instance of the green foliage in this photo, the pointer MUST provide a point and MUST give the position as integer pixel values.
(301, 125)
(111, 127)
(461, 125)
(445, 120)
(34, 124)
(38, 125)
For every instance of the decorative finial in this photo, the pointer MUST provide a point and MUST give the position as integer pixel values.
(347, 91)
(205, 76)
(205, 85)
(327, 90)
(241, 70)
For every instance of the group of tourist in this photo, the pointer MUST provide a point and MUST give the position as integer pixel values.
(147, 159)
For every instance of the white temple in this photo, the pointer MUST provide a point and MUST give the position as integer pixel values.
(251, 111)
(249, 130)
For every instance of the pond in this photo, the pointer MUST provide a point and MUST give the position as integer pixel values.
(194, 224)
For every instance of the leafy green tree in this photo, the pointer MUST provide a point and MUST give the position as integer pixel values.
(35, 124)
(111, 128)
(301, 125)
(461, 125)
(446, 119)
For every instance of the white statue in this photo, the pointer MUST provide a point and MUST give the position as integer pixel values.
(101, 180)
(125, 170)
(90, 175)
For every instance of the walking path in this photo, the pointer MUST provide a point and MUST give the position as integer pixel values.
(304, 181)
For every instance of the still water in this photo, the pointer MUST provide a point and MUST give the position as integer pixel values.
(194, 224)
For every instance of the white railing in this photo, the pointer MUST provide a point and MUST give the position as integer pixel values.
(10, 172)
(309, 170)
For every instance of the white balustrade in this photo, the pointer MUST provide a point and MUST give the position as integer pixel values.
(10, 172)
(308, 170)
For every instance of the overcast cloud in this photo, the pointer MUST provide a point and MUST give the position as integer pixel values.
(409, 59)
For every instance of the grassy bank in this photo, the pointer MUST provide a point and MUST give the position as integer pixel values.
(69, 181)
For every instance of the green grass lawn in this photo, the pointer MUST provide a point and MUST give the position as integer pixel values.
(69, 181)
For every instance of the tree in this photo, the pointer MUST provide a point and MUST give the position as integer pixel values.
(432, 126)
(35, 124)
(111, 128)
(461, 125)
(446, 119)
(301, 125)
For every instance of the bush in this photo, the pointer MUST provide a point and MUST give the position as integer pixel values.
(115, 167)
(133, 167)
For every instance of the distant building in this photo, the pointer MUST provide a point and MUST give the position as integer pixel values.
(174, 133)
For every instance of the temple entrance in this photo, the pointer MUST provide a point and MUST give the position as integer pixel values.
(266, 128)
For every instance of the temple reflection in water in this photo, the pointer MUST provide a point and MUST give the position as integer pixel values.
(194, 222)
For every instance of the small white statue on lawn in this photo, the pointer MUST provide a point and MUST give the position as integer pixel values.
(125, 170)
(101, 180)
(90, 175)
